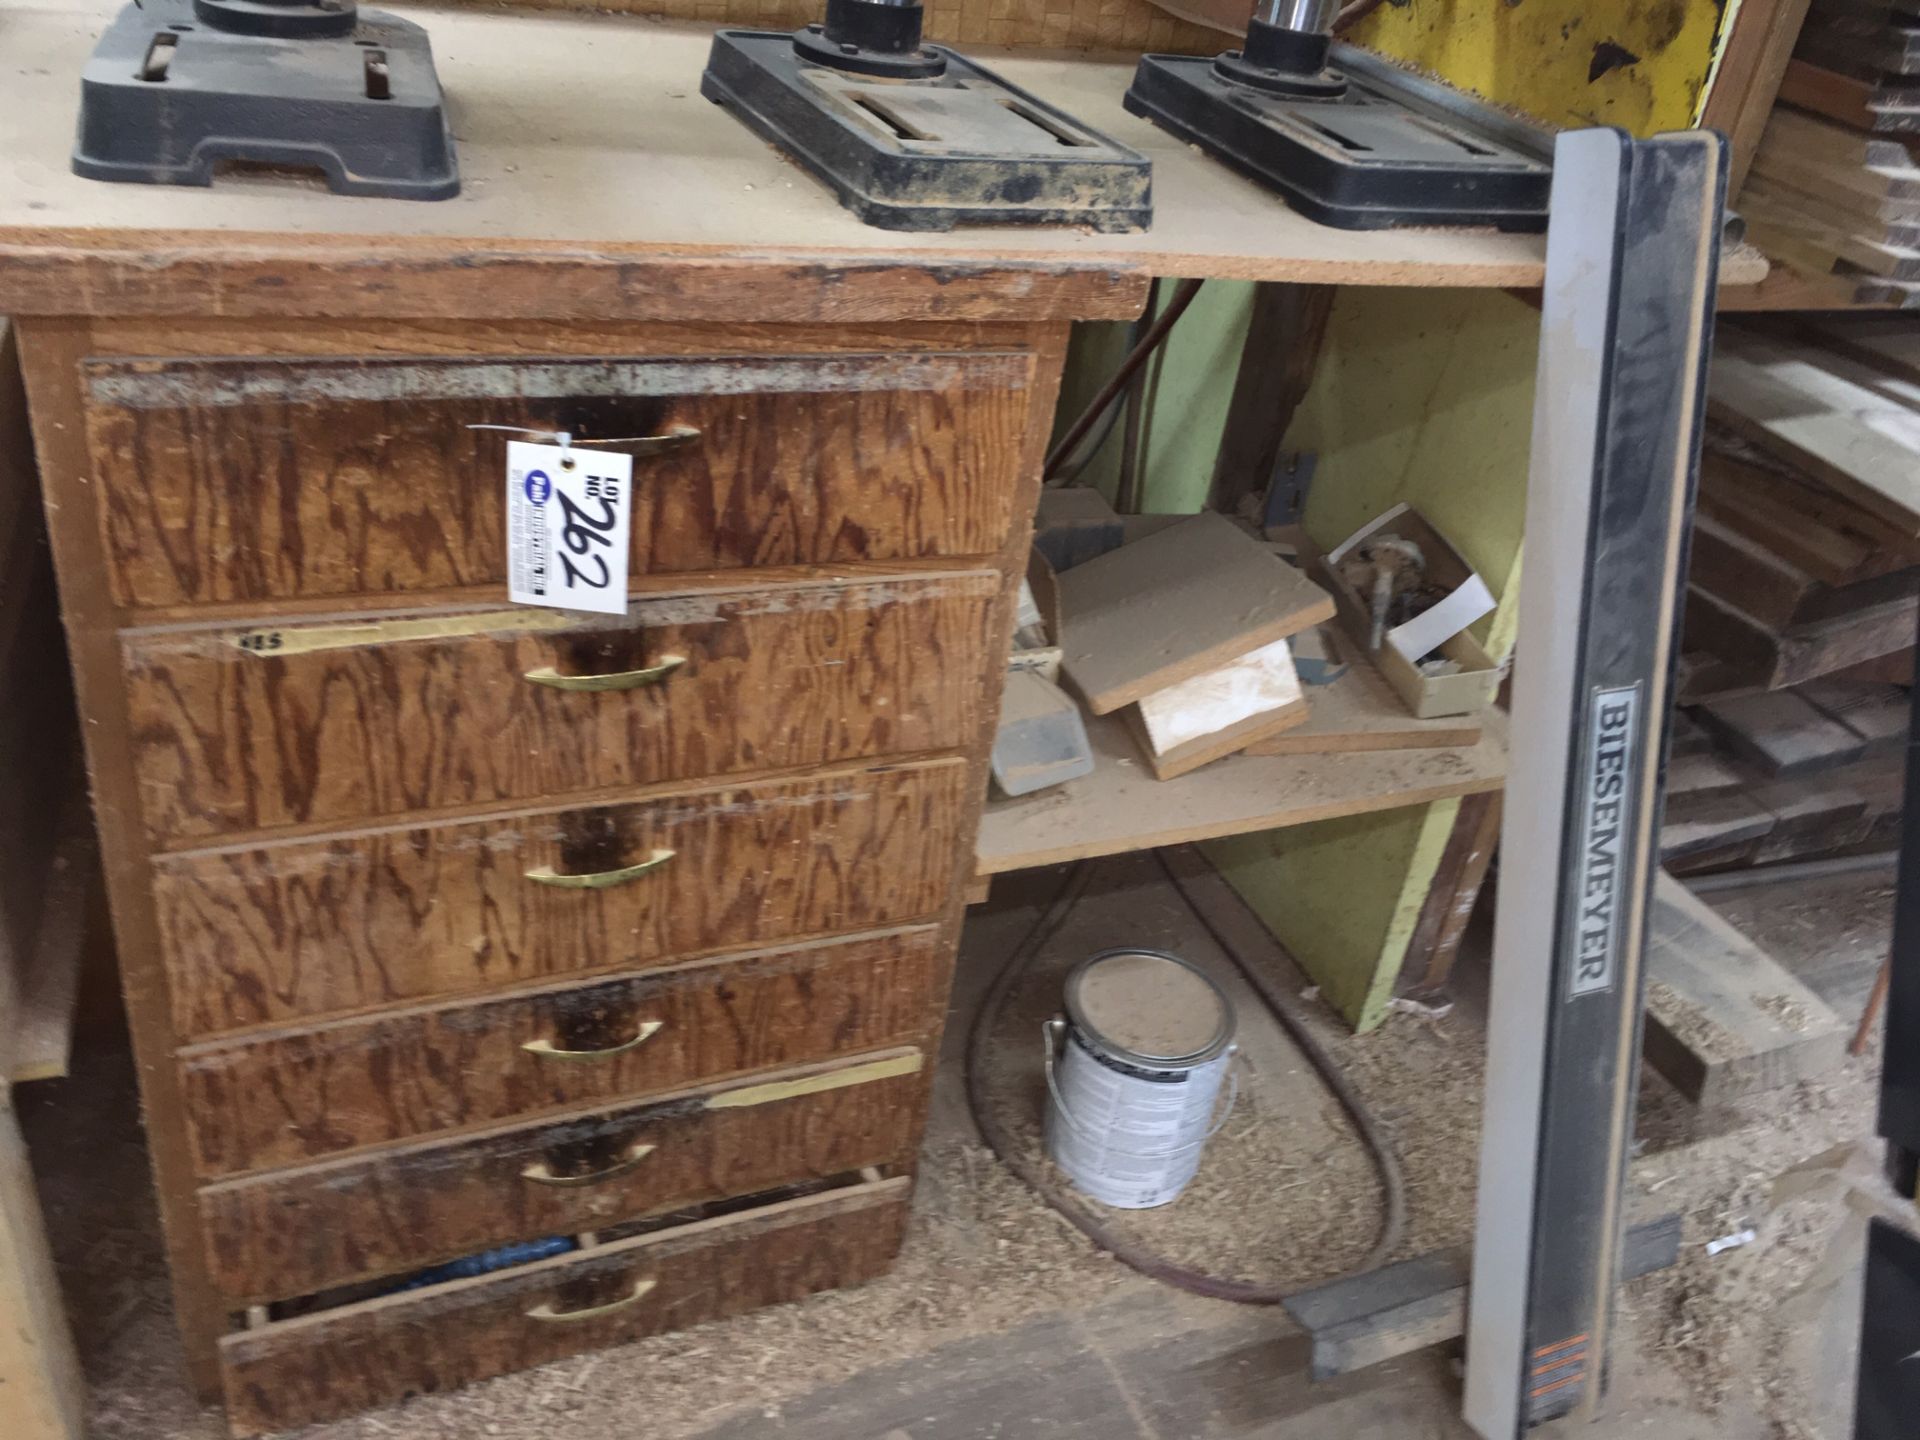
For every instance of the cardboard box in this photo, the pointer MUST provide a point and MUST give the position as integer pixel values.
(1441, 628)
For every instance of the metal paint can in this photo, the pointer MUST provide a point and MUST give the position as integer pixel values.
(1133, 1074)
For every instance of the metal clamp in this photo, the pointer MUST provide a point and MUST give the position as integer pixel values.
(620, 680)
(1053, 1033)
(599, 879)
(540, 1173)
(593, 1312)
(547, 1050)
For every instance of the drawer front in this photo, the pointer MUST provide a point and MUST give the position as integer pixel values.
(248, 480)
(295, 1232)
(285, 1098)
(246, 729)
(306, 928)
(333, 1363)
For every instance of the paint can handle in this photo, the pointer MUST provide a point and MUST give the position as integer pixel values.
(1053, 1034)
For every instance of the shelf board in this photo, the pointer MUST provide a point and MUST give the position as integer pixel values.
(1121, 807)
(550, 162)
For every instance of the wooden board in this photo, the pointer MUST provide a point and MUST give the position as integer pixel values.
(1411, 1304)
(1756, 658)
(1724, 1019)
(1884, 343)
(1205, 749)
(1358, 712)
(1862, 104)
(1857, 431)
(1875, 711)
(1747, 78)
(42, 1018)
(46, 1396)
(1175, 605)
(1711, 824)
(1781, 733)
(1122, 807)
(1077, 24)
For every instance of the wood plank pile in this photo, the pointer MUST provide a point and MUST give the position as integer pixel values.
(1785, 775)
(1806, 547)
(1835, 188)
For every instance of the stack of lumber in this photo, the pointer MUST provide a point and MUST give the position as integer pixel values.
(1834, 188)
(1785, 775)
(1806, 549)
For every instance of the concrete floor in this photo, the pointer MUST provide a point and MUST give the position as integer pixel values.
(1000, 1324)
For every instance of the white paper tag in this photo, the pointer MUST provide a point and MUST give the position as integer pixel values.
(568, 515)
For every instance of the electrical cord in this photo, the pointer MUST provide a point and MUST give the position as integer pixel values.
(1139, 1257)
(1069, 472)
(1117, 382)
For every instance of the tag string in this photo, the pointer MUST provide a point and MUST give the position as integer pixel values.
(563, 438)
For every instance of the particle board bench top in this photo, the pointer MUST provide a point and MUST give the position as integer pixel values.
(591, 161)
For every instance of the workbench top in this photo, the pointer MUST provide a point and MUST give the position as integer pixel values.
(585, 146)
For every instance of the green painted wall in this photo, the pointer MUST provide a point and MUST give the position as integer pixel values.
(1418, 395)
(1343, 895)
(1427, 396)
(1189, 386)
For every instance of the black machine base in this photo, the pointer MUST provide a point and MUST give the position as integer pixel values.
(173, 90)
(1360, 160)
(962, 147)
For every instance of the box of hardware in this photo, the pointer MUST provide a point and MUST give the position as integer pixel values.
(1407, 596)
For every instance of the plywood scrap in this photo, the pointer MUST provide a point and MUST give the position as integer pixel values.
(1122, 807)
(1724, 1019)
(1177, 604)
(1217, 714)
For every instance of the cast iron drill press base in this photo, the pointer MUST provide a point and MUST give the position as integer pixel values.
(916, 137)
(177, 87)
(1343, 147)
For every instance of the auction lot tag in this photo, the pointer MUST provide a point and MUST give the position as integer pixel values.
(568, 514)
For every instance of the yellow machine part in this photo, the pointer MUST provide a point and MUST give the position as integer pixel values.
(1643, 65)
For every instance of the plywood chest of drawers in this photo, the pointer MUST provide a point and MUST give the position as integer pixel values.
(448, 925)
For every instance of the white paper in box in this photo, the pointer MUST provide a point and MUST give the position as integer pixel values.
(1438, 623)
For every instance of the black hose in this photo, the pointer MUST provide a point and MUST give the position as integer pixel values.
(1117, 382)
(1138, 1257)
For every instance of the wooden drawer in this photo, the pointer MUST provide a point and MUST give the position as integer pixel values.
(333, 1362)
(293, 1232)
(286, 1097)
(304, 928)
(247, 480)
(246, 729)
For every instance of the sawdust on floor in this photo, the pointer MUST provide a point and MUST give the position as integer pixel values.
(1286, 1194)
(1691, 1025)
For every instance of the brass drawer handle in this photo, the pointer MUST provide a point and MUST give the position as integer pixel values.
(678, 437)
(540, 1173)
(621, 680)
(599, 879)
(592, 1312)
(548, 1050)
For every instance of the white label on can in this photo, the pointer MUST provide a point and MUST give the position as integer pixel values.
(1130, 1140)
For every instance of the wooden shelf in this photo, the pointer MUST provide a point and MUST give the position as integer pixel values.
(1121, 807)
(586, 137)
